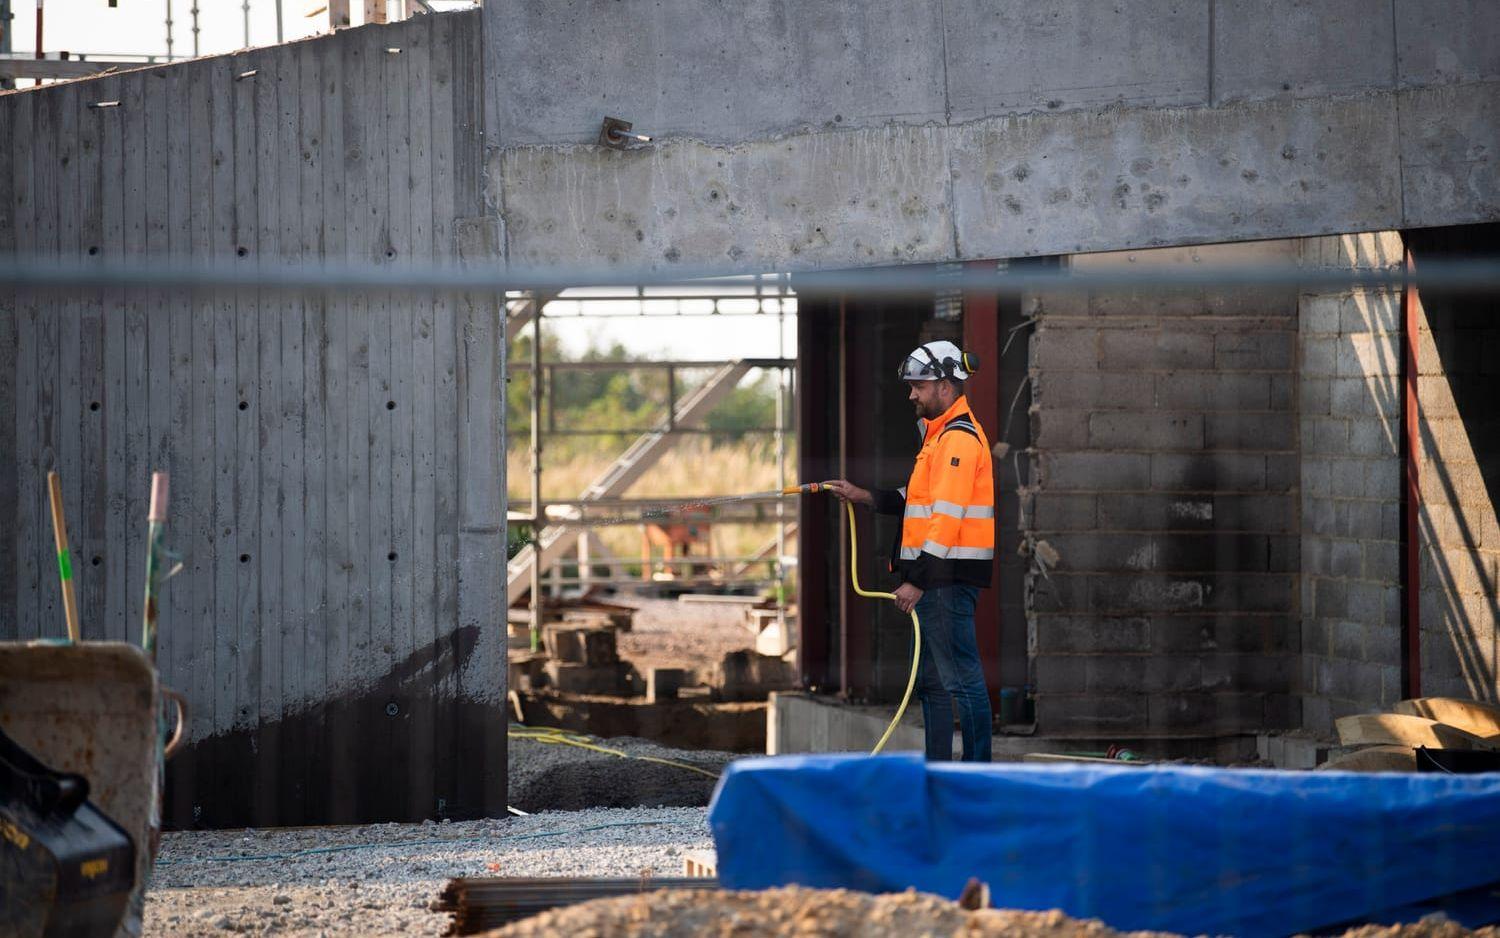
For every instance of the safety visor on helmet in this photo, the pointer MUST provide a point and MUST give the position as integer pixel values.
(913, 368)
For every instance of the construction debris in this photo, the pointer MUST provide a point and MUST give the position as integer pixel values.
(478, 904)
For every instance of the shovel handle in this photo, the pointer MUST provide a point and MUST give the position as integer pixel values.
(175, 743)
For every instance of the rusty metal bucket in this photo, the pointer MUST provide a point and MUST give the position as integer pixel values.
(97, 709)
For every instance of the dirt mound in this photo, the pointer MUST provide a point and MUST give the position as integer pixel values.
(557, 777)
(835, 913)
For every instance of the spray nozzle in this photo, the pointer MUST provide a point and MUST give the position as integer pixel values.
(806, 488)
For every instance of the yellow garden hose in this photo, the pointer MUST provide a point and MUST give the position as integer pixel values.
(554, 736)
(916, 626)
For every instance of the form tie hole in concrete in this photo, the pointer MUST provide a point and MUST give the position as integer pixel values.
(391, 556)
(390, 405)
(242, 251)
(244, 405)
(93, 405)
(391, 709)
(96, 560)
(244, 558)
(93, 250)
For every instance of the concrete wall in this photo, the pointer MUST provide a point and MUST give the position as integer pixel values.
(1351, 486)
(1164, 473)
(337, 495)
(1459, 366)
(803, 135)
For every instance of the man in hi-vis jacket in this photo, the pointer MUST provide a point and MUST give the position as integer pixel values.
(947, 546)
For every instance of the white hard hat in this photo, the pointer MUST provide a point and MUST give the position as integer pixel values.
(933, 360)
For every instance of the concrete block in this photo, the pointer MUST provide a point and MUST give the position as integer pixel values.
(1377, 311)
(1150, 350)
(1448, 148)
(1250, 592)
(1283, 392)
(1442, 41)
(580, 646)
(1321, 316)
(1012, 56)
(1254, 673)
(1213, 391)
(1232, 431)
(1317, 717)
(1058, 349)
(1361, 354)
(1083, 635)
(1088, 715)
(1055, 429)
(1244, 472)
(1150, 431)
(1148, 307)
(1347, 476)
(1101, 472)
(1319, 354)
(1061, 512)
(1316, 396)
(1152, 512)
(1216, 552)
(1346, 640)
(1317, 639)
(587, 679)
(1330, 598)
(1325, 436)
(1153, 593)
(1272, 48)
(1369, 250)
(1347, 558)
(1254, 351)
(1382, 561)
(1349, 680)
(1359, 519)
(1320, 516)
(1094, 390)
(1269, 513)
(685, 68)
(1061, 674)
(663, 683)
(745, 675)
(1100, 552)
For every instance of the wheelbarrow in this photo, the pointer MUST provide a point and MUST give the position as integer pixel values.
(95, 710)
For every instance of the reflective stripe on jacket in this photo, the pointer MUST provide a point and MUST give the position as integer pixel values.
(947, 506)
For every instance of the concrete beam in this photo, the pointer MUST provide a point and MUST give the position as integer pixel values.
(797, 136)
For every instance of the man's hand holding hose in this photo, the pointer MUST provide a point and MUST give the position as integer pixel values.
(906, 594)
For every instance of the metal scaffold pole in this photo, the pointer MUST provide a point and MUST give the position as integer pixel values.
(537, 512)
(781, 374)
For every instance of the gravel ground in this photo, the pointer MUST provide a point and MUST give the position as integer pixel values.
(670, 634)
(553, 777)
(384, 886)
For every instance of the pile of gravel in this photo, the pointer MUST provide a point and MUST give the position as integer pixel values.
(385, 883)
(835, 913)
(558, 777)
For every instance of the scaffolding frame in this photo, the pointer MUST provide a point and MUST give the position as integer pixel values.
(770, 295)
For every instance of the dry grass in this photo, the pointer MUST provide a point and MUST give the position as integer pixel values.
(695, 468)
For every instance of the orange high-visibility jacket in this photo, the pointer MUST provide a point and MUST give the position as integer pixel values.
(947, 506)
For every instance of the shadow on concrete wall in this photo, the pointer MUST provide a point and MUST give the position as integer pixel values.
(1459, 368)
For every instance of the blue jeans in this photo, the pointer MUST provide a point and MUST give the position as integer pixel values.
(949, 675)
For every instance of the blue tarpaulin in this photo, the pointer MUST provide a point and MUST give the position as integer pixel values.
(1175, 848)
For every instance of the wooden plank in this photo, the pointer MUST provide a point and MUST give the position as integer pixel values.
(9, 409)
(222, 242)
(88, 528)
(247, 462)
(36, 171)
(423, 624)
(20, 149)
(266, 557)
(314, 681)
(350, 787)
(175, 648)
(113, 481)
(66, 376)
(1374, 759)
(199, 523)
(1398, 729)
(335, 767)
(374, 11)
(446, 739)
(378, 250)
(290, 427)
(396, 81)
(338, 14)
(10, 412)
(1471, 716)
(332, 354)
(136, 427)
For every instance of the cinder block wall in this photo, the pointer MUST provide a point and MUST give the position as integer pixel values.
(1351, 485)
(1458, 357)
(1165, 472)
